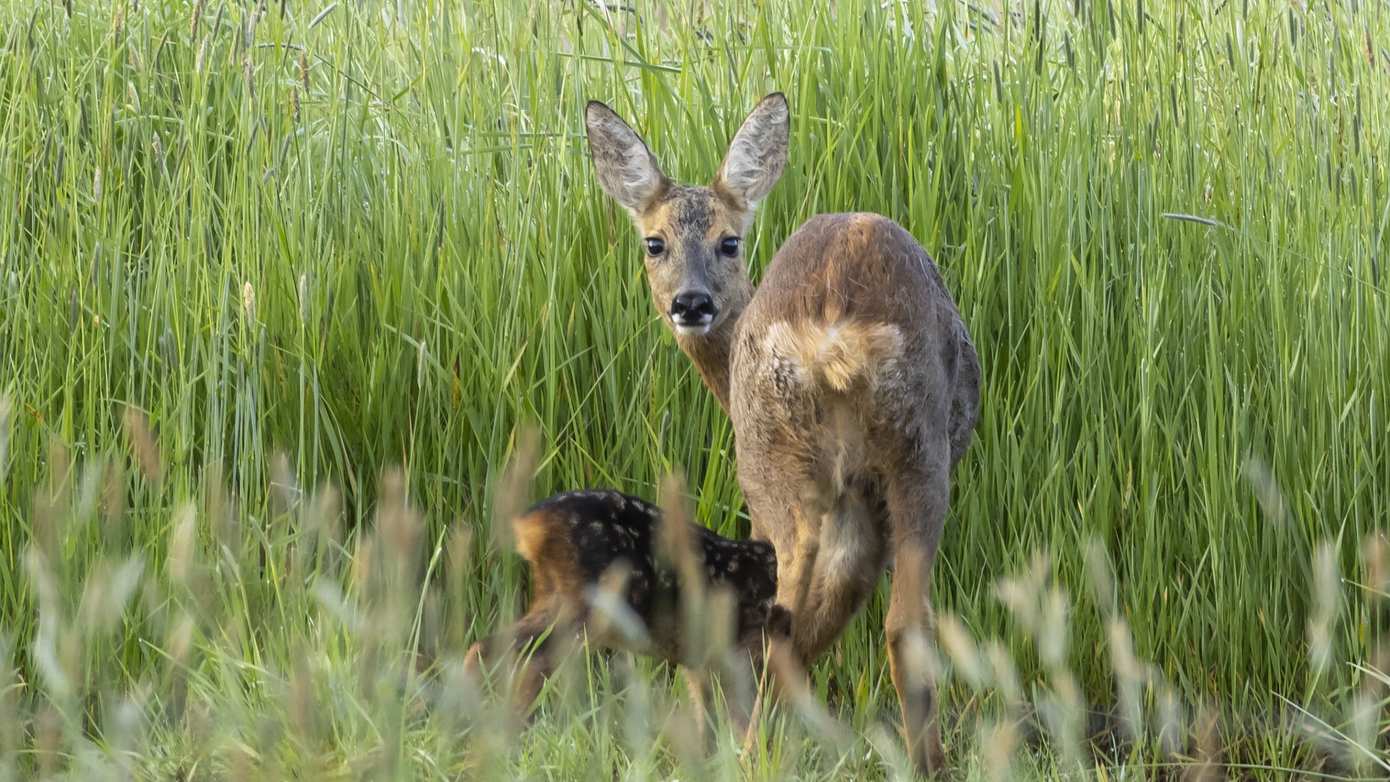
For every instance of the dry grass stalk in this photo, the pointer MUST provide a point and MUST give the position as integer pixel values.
(195, 17)
(1206, 766)
(795, 687)
(511, 492)
(183, 538)
(998, 743)
(6, 412)
(675, 544)
(1325, 608)
(137, 429)
(960, 648)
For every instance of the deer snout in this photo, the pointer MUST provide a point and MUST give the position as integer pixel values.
(692, 312)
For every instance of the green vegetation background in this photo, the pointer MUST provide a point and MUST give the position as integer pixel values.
(368, 234)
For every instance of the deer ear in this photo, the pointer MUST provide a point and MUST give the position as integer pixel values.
(626, 169)
(757, 154)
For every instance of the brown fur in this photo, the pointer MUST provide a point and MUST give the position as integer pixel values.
(537, 541)
(864, 469)
(843, 477)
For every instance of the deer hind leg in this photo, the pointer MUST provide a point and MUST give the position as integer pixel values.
(917, 508)
(848, 559)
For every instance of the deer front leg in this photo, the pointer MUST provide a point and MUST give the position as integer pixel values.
(917, 508)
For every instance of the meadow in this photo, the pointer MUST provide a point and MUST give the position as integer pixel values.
(283, 284)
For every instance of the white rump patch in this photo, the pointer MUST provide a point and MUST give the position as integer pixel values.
(835, 354)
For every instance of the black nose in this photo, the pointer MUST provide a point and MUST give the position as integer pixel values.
(693, 306)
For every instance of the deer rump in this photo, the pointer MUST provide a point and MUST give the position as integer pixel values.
(853, 389)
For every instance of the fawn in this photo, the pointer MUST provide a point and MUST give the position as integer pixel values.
(576, 541)
(849, 377)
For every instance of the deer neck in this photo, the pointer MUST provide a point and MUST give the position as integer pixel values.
(711, 353)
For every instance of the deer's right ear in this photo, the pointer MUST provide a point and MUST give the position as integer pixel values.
(626, 169)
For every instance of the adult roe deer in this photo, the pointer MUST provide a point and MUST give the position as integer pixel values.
(850, 379)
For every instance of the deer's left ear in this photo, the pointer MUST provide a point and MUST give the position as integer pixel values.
(757, 154)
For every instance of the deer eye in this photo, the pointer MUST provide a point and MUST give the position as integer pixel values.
(655, 246)
(728, 246)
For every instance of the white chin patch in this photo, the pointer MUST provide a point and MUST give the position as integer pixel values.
(691, 331)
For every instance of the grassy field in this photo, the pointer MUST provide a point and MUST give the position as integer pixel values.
(253, 258)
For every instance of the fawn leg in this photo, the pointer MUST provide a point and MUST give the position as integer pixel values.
(538, 638)
(739, 670)
(776, 635)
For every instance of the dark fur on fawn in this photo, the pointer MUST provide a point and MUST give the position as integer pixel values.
(571, 541)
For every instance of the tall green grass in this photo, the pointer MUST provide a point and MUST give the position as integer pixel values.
(367, 234)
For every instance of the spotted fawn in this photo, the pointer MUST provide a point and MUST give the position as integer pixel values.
(581, 545)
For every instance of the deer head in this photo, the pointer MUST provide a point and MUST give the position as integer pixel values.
(693, 237)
